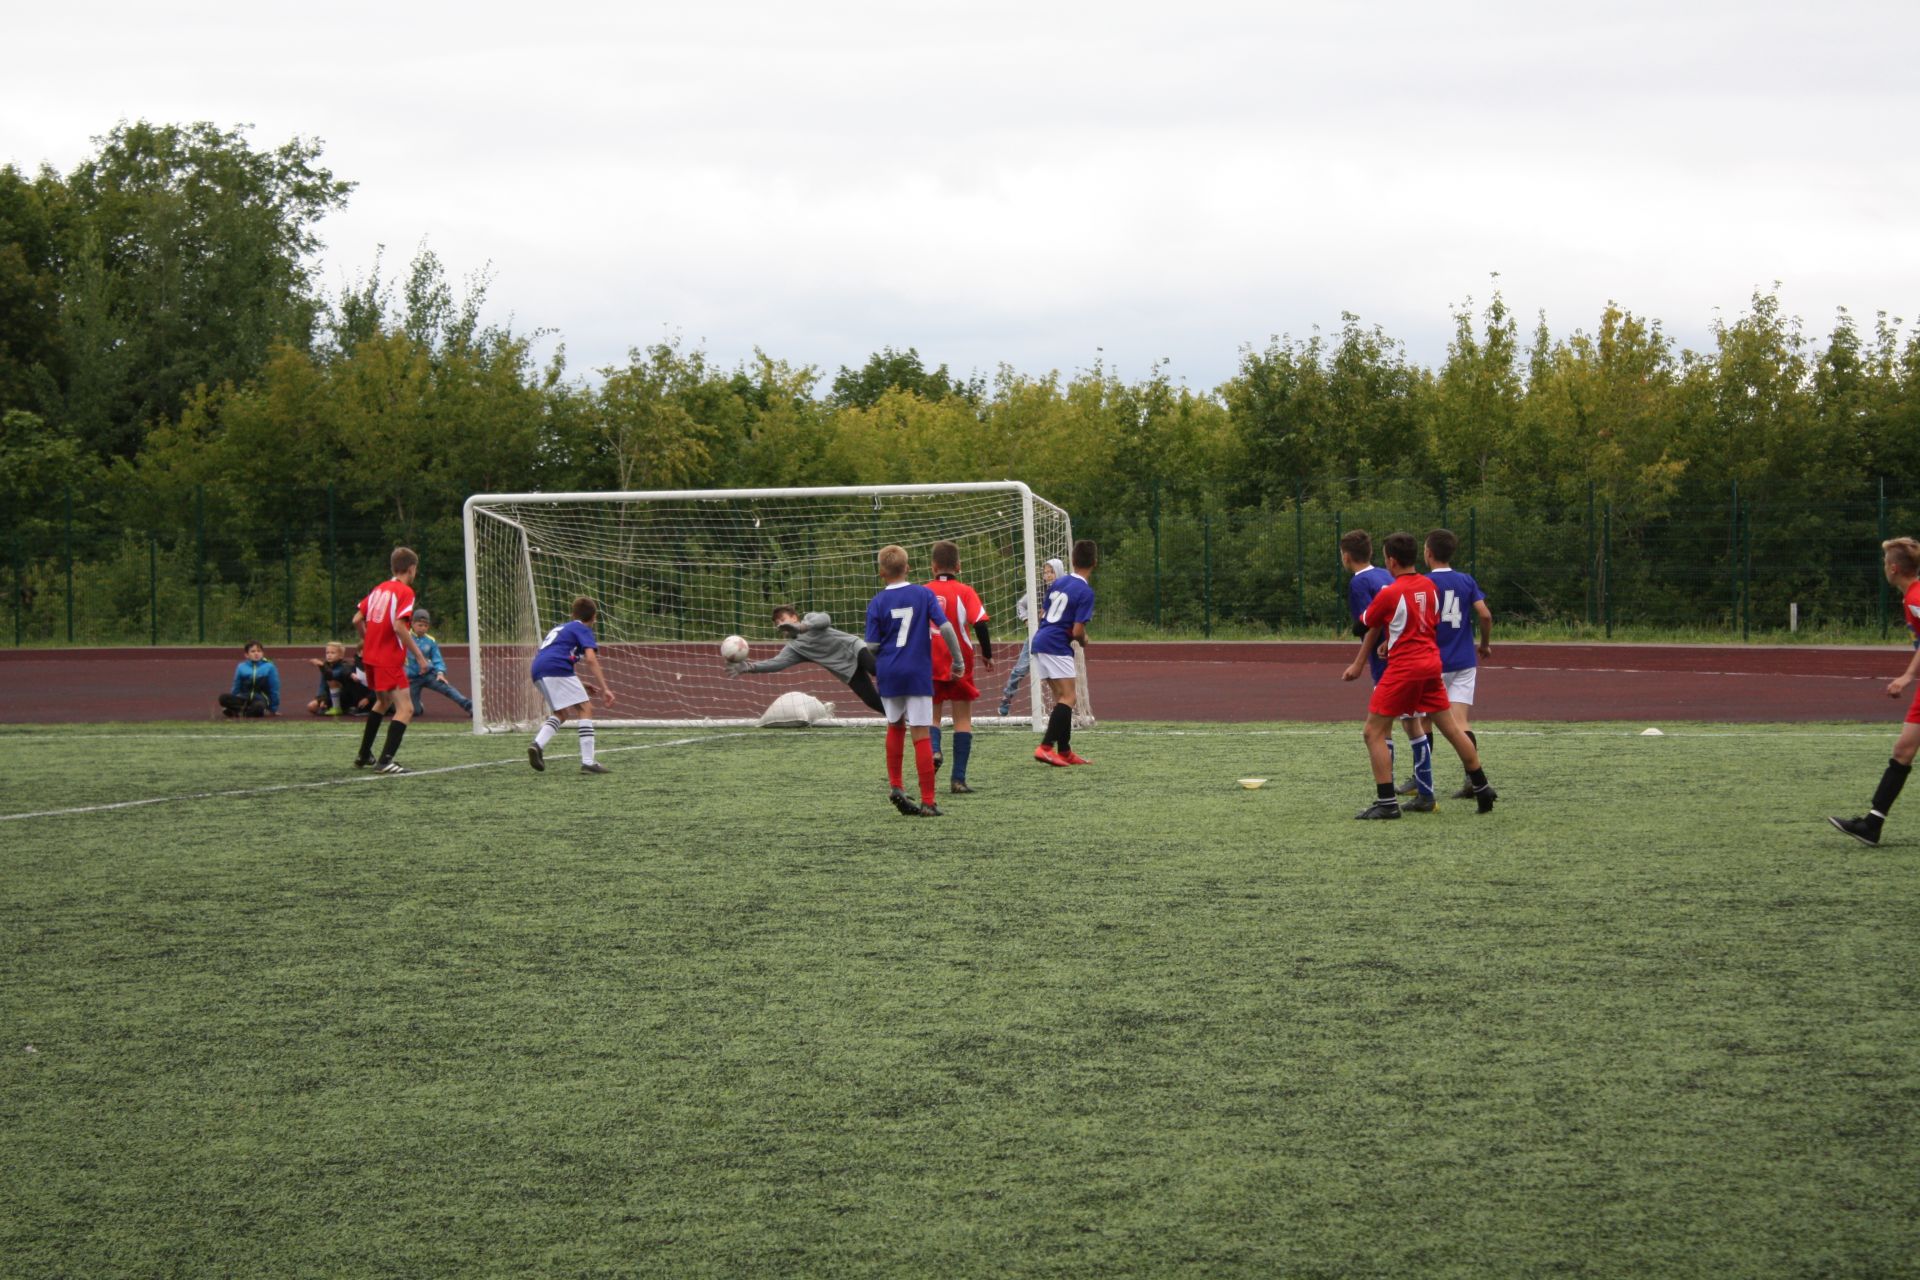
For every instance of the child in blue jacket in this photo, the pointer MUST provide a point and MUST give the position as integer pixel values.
(435, 677)
(256, 686)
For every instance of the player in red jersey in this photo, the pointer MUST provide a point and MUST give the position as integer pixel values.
(1902, 567)
(1402, 618)
(385, 622)
(953, 679)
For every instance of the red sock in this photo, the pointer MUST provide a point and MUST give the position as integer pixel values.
(896, 752)
(923, 765)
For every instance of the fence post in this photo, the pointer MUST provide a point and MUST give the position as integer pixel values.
(1300, 545)
(286, 560)
(1339, 597)
(1156, 553)
(19, 590)
(1732, 565)
(69, 557)
(200, 553)
(1443, 502)
(1882, 576)
(1473, 545)
(1206, 574)
(1606, 569)
(333, 568)
(1746, 578)
(153, 588)
(1589, 574)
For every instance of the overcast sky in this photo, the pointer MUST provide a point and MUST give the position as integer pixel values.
(1038, 183)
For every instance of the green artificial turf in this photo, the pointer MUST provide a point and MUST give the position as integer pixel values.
(723, 1012)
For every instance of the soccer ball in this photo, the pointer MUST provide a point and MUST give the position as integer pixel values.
(734, 648)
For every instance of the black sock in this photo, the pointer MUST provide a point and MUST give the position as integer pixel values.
(1474, 740)
(1385, 791)
(1478, 777)
(368, 734)
(1889, 789)
(1059, 726)
(395, 731)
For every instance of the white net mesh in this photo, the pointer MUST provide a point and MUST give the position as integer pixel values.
(674, 573)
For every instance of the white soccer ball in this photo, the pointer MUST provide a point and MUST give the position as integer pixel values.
(734, 649)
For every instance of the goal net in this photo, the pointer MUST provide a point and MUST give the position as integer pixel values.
(675, 572)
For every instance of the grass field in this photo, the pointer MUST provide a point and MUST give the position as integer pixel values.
(723, 1012)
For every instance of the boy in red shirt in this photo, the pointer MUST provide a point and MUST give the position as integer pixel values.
(1901, 564)
(385, 622)
(1404, 614)
(953, 674)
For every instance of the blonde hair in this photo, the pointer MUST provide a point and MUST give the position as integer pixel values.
(893, 561)
(1905, 554)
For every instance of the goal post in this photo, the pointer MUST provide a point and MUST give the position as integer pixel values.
(676, 570)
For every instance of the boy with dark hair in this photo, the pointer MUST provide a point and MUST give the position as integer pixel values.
(256, 685)
(433, 677)
(1069, 607)
(567, 650)
(1900, 561)
(1356, 557)
(900, 621)
(815, 639)
(952, 678)
(1404, 613)
(1022, 609)
(384, 619)
(1459, 657)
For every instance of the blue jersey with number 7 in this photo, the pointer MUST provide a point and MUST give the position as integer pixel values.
(901, 620)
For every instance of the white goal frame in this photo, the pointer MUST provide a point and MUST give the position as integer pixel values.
(476, 508)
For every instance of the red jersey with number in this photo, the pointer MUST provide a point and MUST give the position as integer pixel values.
(963, 608)
(389, 600)
(1407, 611)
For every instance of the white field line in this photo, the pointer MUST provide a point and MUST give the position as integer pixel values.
(341, 782)
(1502, 666)
(42, 736)
(1344, 731)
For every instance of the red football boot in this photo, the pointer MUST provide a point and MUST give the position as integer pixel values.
(1047, 755)
(1072, 757)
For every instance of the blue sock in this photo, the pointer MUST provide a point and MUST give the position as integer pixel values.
(933, 735)
(1423, 765)
(962, 748)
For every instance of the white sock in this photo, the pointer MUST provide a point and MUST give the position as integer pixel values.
(547, 730)
(586, 742)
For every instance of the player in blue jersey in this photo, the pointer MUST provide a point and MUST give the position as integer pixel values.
(1063, 623)
(1356, 557)
(567, 673)
(1463, 609)
(901, 619)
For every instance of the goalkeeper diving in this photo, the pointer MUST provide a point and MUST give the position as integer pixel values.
(814, 638)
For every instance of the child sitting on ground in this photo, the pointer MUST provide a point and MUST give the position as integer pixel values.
(256, 686)
(341, 691)
(435, 676)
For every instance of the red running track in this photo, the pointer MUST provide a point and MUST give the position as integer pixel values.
(1223, 682)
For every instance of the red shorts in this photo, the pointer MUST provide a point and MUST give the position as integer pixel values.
(1404, 692)
(961, 690)
(386, 679)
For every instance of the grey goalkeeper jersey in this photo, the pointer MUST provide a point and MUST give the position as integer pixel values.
(818, 641)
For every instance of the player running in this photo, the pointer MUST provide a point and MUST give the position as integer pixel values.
(1459, 658)
(953, 678)
(384, 619)
(1356, 557)
(1901, 564)
(1404, 613)
(568, 650)
(900, 620)
(1069, 610)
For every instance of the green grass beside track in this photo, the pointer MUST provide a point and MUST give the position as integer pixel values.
(723, 1012)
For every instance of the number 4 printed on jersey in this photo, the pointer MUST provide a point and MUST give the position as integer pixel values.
(1450, 608)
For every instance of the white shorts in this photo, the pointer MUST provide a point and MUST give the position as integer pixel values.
(915, 709)
(561, 692)
(1054, 666)
(1459, 684)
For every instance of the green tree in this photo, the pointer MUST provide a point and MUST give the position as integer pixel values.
(188, 255)
(890, 370)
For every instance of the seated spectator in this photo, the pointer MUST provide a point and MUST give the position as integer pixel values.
(435, 677)
(256, 686)
(341, 691)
